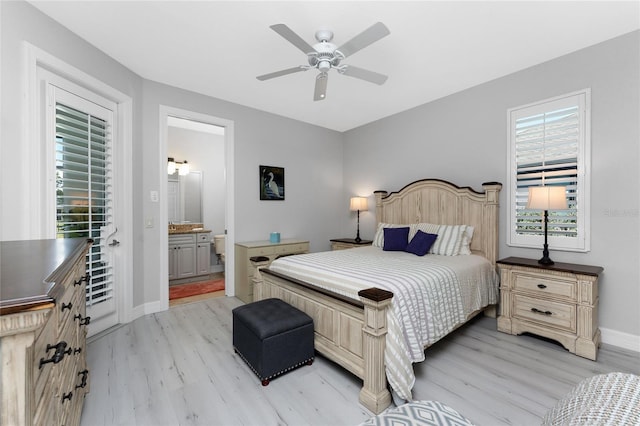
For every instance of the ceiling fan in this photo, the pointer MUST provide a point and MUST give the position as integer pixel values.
(325, 56)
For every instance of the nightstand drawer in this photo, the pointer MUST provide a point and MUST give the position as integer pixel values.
(540, 284)
(555, 314)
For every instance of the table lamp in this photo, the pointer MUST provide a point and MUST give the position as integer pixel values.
(357, 204)
(547, 198)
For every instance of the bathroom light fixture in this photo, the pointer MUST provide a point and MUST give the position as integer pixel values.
(547, 198)
(182, 168)
(357, 204)
(171, 166)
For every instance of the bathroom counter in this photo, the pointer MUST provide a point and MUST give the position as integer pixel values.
(189, 231)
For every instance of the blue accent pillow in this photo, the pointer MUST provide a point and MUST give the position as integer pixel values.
(421, 243)
(395, 239)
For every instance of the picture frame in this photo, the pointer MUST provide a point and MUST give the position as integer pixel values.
(271, 183)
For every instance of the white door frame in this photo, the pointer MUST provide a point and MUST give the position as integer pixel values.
(38, 204)
(165, 113)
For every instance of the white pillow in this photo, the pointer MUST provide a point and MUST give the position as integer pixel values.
(449, 240)
(428, 228)
(378, 240)
(465, 247)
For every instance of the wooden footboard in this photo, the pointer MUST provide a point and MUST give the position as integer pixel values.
(350, 333)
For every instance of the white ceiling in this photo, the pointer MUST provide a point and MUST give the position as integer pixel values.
(434, 49)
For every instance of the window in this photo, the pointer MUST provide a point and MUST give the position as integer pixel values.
(549, 145)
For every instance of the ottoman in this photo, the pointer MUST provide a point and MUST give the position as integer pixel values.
(272, 337)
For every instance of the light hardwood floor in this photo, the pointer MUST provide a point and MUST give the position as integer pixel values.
(178, 368)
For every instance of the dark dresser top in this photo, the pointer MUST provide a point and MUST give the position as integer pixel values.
(558, 266)
(30, 270)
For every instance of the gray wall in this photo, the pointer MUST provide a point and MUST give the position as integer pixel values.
(463, 138)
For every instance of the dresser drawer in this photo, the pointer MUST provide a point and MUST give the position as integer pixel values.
(292, 248)
(42, 372)
(539, 285)
(261, 251)
(554, 314)
(47, 408)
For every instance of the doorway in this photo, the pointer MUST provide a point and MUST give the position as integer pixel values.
(206, 145)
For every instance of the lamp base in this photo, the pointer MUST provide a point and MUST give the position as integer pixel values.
(545, 260)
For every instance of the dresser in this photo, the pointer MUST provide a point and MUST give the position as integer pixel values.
(347, 243)
(558, 301)
(244, 269)
(43, 328)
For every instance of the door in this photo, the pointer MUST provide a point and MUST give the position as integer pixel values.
(84, 191)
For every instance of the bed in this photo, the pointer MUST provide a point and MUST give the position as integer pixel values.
(358, 324)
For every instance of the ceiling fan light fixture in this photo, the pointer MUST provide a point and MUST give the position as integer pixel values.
(324, 66)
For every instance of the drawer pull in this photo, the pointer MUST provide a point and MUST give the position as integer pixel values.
(66, 306)
(538, 311)
(83, 383)
(86, 278)
(542, 286)
(83, 321)
(66, 396)
(58, 355)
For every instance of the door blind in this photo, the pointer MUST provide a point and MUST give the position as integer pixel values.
(546, 154)
(83, 190)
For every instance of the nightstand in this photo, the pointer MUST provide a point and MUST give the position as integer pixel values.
(347, 243)
(268, 252)
(559, 302)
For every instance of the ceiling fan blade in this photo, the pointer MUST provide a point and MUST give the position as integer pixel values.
(320, 92)
(363, 74)
(292, 37)
(281, 73)
(364, 39)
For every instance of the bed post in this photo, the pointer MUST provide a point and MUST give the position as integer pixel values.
(379, 212)
(258, 285)
(374, 394)
(492, 198)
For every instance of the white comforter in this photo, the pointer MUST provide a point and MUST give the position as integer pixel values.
(432, 295)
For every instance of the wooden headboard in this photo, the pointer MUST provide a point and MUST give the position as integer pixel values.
(441, 202)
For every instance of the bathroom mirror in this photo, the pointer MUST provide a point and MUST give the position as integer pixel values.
(184, 197)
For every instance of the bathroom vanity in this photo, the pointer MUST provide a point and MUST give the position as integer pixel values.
(189, 250)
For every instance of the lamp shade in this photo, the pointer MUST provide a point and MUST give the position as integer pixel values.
(358, 203)
(547, 198)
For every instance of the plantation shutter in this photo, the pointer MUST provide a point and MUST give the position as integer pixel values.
(83, 190)
(547, 155)
(549, 145)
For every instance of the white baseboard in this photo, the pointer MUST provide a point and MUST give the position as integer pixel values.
(620, 339)
(146, 308)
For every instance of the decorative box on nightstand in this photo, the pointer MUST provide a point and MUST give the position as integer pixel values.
(559, 302)
(347, 243)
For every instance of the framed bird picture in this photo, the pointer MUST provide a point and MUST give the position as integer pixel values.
(271, 183)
